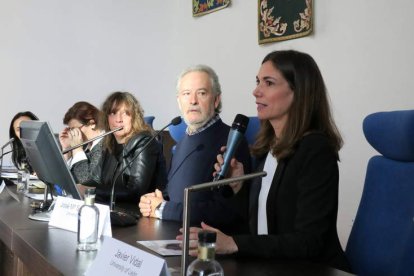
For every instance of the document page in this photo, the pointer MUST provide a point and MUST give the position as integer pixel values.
(163, 247)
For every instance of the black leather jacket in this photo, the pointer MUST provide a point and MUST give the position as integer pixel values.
(144, 170)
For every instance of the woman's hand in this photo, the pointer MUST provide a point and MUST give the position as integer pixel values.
(236, 169)
(75, 135)
(69, 138)
(224, 244)
(192, 240)
(82, 189)
(64, 141)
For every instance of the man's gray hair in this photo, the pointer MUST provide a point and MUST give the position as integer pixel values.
(214, 80)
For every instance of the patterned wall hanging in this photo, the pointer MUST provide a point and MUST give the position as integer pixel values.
(284, 19)
(201, 7)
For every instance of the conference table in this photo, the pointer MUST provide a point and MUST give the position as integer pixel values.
(31, 247)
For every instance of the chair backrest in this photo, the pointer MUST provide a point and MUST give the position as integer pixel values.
(252, 129)
(149, 120)
(177, 132)
(383, 224)
(406, 264)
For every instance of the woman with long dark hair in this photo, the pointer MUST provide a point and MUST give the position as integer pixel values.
(293, 210)
(19, 157)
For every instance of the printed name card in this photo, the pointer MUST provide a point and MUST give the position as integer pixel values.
(2, 186)
(118, 258)
(65, 216)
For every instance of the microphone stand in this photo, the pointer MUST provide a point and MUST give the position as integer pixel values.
(1, 158)
(186, 209)
(3, 154)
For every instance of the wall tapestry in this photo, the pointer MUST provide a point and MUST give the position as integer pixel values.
(201, 7)
(284, 19)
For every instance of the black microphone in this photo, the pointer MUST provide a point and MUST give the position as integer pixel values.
(91, 140)
(236, 133)
(8, 143)
(120, 218)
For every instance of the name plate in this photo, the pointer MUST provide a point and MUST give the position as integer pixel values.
(3, 184)
(118, 258)
(65, 216)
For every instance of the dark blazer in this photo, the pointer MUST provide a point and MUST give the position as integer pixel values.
(301, 208)
(81, 170)
(193, 163)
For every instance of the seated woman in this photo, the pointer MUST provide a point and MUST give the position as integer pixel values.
(83, 124)
(293, 210)
(19, 157)
(125, 163)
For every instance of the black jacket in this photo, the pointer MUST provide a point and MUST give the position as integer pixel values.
(137, 170)
(301, 208)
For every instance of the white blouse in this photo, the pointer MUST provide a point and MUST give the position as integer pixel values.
(269, 167)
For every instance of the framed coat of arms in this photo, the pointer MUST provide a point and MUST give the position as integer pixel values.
(280, 20)
(202, 7)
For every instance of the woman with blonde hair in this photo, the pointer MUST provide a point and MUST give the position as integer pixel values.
(126, 163)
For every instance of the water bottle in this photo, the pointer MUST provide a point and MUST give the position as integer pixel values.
(88, 221)
(205, 264)
(23, 179)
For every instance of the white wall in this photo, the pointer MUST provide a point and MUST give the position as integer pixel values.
(54, 53)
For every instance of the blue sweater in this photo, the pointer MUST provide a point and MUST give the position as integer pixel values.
(193, 163)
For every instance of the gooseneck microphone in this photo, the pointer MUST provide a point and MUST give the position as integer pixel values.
(91, 140)
(8, 143)
(124, 219)
(236, 133)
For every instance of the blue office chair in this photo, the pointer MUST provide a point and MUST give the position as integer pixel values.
(406, 264)
(252, 130)
(383, 228)
(149, 120)
(177, 132)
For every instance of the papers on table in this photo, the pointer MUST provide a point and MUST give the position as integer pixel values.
(10, 175)
(163, 247)
(6, 168)
(38, 196)
(38, 184)
(13, 175)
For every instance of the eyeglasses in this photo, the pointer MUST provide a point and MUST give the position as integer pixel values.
(79, 127)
